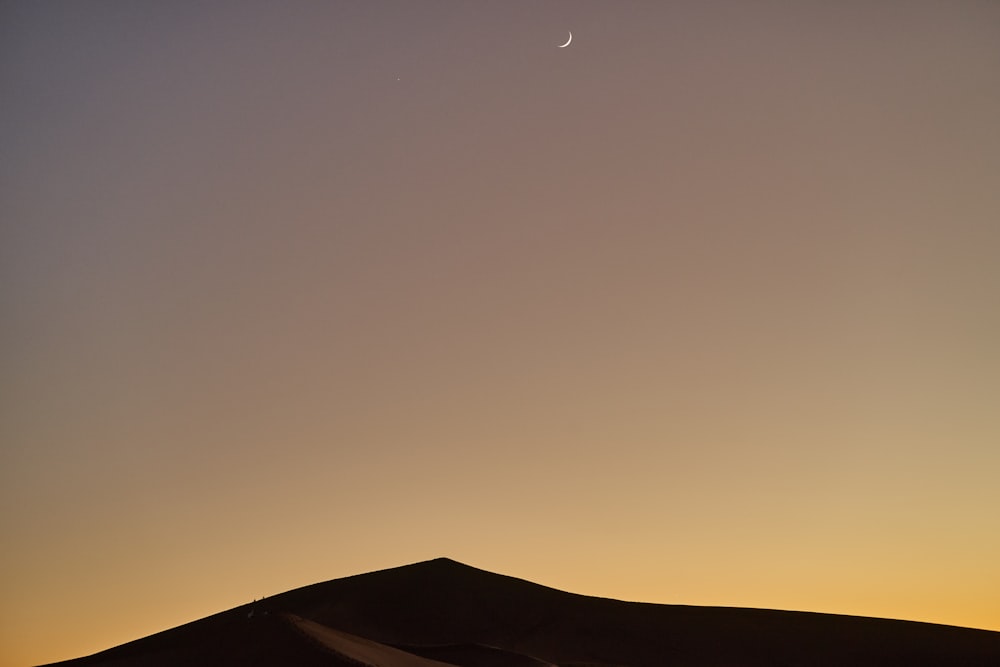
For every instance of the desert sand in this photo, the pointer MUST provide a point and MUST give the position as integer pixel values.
(358, 649)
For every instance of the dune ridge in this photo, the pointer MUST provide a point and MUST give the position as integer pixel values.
(358, 650)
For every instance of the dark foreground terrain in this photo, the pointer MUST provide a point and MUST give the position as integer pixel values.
(441, 612)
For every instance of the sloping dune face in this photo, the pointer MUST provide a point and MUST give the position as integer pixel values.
(229, 639)
(359, 649)
(441, 612)
(477, 655)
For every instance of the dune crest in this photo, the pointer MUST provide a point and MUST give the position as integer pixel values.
(359, 649)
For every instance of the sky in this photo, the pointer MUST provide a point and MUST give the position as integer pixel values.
(700, 309)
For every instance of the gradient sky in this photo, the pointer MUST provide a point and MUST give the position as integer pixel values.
(702, 309)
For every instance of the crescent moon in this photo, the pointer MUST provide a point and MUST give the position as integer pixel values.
(563, 46)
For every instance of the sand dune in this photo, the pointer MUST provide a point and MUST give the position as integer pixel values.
(441, 612)
(477, 655)
(359, 649)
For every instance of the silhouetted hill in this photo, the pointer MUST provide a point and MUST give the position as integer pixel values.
(448, 612)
